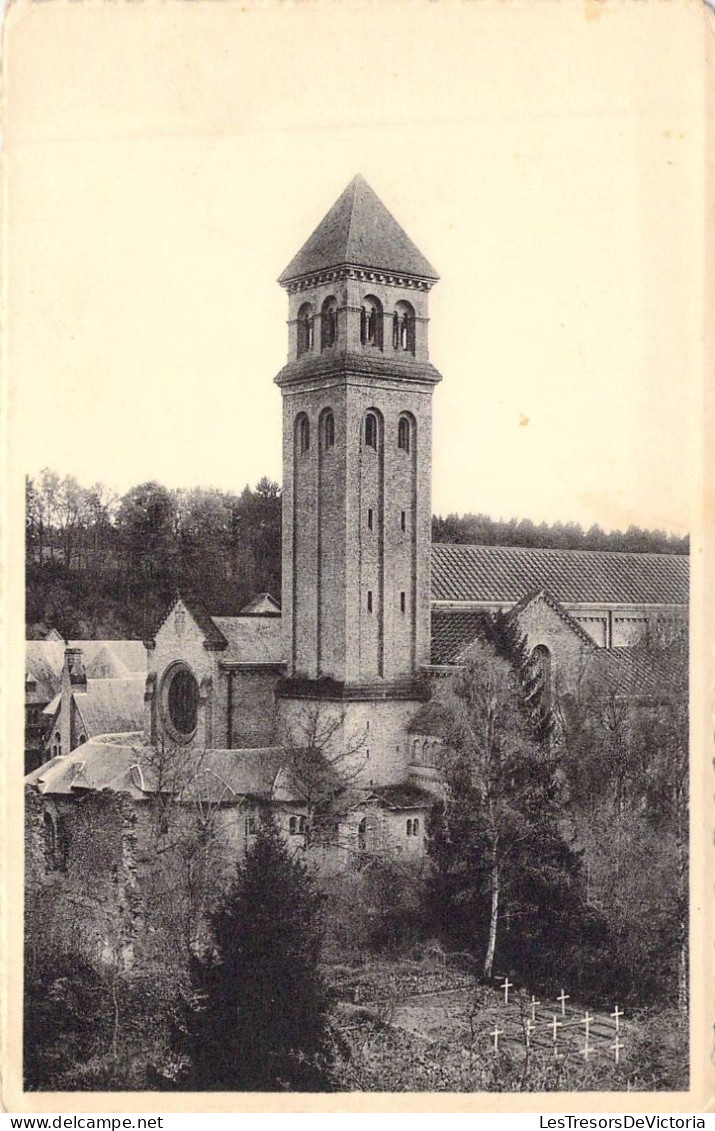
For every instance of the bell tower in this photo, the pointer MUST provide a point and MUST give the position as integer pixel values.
(357, 415)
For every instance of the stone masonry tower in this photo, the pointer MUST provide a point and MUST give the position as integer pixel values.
(357, 412)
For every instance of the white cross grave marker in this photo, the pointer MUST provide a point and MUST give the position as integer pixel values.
(556, 1024)
(586, 1020)
(586, 1050)
(617, 1046)
(506, 986)
(617, 1014)
(497, 1032)
(534, 1004)
(530, 1026)
(563, 998)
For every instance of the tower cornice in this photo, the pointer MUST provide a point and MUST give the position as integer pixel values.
(344, 366)
(363, 274)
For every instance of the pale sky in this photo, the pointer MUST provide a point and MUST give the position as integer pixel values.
(165, 162)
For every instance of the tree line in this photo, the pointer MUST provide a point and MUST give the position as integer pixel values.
(104, 565)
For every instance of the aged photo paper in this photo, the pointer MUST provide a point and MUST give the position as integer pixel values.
(532, 184)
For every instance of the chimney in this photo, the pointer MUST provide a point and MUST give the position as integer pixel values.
(74, 678)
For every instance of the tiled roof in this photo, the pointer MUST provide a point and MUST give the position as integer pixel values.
(251, 639)
(452, 631)
(359, 231)
(402, 796)
(506, 574)
(111, 706)
(129, 767)
(627, 672)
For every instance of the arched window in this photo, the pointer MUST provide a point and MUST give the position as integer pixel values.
(293, 826)
(328, 323)
(180, 701)
(328, 430)
(301, 825)
(305, 329)
(302, 426)
(82, 739)
(403, 327)
(371, 430)
(415, 826)
(371, 322)
(409, 827)
(403, 434)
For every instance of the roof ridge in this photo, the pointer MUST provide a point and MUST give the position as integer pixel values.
(559, 550)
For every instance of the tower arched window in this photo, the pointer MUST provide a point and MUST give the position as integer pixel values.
(328, 323)
(403, 327)
(305, 329)
(303, 433)
(328, 430)
(371, 322)
(371, 430)
(403, 434)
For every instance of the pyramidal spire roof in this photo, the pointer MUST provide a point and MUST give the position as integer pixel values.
(360, 232)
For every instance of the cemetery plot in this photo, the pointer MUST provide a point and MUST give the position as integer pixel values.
(514, 1023)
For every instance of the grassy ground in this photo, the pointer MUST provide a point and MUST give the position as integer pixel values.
(394, 1036)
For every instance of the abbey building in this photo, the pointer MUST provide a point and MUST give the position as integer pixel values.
(371, 616)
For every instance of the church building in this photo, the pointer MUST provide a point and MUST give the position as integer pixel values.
(371, 615)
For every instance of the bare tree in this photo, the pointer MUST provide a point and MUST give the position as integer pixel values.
(323, 763)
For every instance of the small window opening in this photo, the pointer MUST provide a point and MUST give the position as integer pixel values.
(403, 520)
(301, 825)
(403, 602)
(293, 826)
(403, 434)
(371, 430)
(329, 430)
(415, 826)
(328, 323)
(371, 323)
(304, 435)
(409, 827)
(369, 600)
(305, 330)
(370, 523)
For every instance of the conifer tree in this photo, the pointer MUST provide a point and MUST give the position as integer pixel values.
(505, 881)
(260, 1022)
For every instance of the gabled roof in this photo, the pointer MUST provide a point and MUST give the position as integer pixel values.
(102, 659)
(541, 595)
(506, 574)
(213, 636)
(359, 231)
(111, 706)
(261, 606)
